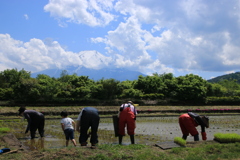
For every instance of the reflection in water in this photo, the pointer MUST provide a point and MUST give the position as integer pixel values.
(36, 144)
(150, 130)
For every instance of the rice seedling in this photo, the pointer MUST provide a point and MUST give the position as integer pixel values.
(227, 137)
(5, 130)
(180, 141)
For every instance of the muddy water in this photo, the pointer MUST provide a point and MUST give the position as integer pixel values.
(149, 130)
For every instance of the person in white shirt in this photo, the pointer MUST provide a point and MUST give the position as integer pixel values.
(68, 127)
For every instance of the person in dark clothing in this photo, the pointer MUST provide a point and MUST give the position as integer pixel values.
(87, 118)
(35, 120)
(188, 123)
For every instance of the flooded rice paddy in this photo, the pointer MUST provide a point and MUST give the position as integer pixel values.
(149, 131)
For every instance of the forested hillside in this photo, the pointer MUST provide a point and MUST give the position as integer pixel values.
(231, 76)
(19, 88)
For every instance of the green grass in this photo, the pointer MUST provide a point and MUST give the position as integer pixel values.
(180, 141)
(227, 137)
(135, 152)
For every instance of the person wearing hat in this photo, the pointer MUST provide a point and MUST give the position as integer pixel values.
(127, 117)
(35, 120)
(188, 123)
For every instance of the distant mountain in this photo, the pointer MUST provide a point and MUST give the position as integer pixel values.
(230, 76)
(94, 65)
(106, 73)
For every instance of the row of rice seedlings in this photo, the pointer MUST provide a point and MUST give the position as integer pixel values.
(227, 137)
(5, 130)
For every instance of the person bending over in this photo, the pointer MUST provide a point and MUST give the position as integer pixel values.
(35, 120)
(188, 123)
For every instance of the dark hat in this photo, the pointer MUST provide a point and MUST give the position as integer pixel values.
(21, 110)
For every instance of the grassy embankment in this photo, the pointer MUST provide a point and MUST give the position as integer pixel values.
(135, 152)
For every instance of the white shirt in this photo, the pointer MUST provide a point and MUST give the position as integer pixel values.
(67, 123)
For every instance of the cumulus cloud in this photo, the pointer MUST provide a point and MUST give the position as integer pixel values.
(88, 12)
(37, 55)
(34, 55)
(185, 35)
(148, 36)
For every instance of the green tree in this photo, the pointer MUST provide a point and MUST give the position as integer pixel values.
(150, 84)
(231, 86)
(48, 88)
(108, 89)
(191, 88)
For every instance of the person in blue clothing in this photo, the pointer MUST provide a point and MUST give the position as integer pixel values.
(35, 120)
(87, 118)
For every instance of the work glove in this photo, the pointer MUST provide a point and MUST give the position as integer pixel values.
(204, 136)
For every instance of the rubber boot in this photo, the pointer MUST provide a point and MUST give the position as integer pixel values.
(196, 138)
(132, 139)
(184, 137)
(120, 139)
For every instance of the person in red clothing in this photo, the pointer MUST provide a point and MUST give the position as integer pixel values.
(127, 117)
(188, 123)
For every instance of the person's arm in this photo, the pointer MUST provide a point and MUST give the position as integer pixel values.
(62, 125)
(74, 125)
(203, 133)
(26, 115)
(78, 127)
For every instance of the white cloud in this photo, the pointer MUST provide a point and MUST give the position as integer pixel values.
(37, 55)
(89, 12)
(192, 34)
(149, 36)
(184, 34)
(26, 16)
(34, 55)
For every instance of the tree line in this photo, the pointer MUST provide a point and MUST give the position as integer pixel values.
(18, 87)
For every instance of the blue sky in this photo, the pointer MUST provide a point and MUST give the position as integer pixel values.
(150, 36)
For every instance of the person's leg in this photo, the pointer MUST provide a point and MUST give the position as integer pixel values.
(132, 139)
(196, 137)
(67, 141)
(94, 129)
(67, 136)
(121, 130)
(71, 136)
(85, 124)
(183, 123)
(74, 142)
(41, 126)
(120, 139)
(184, 137)
(131, 127)
(33, 129)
